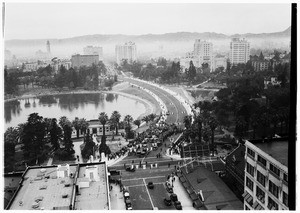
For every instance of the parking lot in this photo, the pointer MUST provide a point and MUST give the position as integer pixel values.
(144, 198)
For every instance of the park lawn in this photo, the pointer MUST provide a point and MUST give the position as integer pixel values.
(140, 198)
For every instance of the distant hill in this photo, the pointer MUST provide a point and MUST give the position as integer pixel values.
(146, 44)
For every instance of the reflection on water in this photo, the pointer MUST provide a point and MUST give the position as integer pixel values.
(70, 105)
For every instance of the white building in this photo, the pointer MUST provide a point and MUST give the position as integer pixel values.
(203, 53)
(239, 51)
(127, 52)
(220, 61)
(266, 176)
(93, 50)
(30, 67)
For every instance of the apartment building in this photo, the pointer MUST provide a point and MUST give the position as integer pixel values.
(84, 60)
(94, 50)
(126, 52)
(239, 51)
(266, 175)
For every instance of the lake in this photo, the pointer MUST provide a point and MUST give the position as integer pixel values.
(86, 106)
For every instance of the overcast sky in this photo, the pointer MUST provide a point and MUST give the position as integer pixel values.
(63, 20)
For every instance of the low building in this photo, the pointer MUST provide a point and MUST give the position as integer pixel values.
(84, 60)
(30, 67)
(266, 175)
(220, 61)
(93, 50)
(70, 187)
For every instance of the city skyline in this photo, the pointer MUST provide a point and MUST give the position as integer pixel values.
(63, 21)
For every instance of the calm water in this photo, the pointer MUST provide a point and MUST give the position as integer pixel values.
(86, 106)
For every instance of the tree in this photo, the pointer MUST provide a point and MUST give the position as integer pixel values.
(254, 119)
(11, 136)
(55, 134)
(137, 122)
(83, 125)
(115, 120)
(213, 124)
(128, 119)
(187, 120)
(103, 118)
(191, 71)
(76, 125)
(67, 135)
(89, 145)
(34, 139)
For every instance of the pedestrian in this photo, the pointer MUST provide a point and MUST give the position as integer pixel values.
(124, 165)
(140, 163)
(169, 165)
(132, 161)
(146, 163)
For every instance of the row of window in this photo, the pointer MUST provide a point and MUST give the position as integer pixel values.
(262, 161)
(273, 188)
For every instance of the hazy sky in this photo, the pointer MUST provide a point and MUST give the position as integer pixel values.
(63, 20)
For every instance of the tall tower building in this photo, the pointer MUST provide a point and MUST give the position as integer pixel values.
(126, 51)
(239, 51)
(48, 47)
(203, 52)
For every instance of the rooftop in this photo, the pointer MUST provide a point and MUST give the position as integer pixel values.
(43, 184)
(95, 196)
(276, 149)
(82, 187)
(216, 193)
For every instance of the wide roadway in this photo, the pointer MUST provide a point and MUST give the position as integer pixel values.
(175, 108)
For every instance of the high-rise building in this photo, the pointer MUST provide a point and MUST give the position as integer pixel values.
(266, 175)
(239, 51)
(203, 52)
(48, 47)
(84, 60)
(127, 52)
(93, 50)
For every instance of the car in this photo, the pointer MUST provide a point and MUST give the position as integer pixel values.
(150, 185)
(130, 169)
(128, 204)
(168, 201)
(169, 188)
(173, 197)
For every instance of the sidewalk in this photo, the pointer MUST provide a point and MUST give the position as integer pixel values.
(116, 198)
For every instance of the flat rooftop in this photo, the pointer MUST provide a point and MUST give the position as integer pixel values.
(276, 149)
(96, 195)
(216, 193)
(51, 189)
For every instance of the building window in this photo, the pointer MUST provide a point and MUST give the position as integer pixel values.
(250, 169)
(260, 194)
(285, 199)
(251, 152)
(285, 177)
(272, 205)
(261, 160)
(275, 170)
(249, 183)
(261, 178)
(273, 188)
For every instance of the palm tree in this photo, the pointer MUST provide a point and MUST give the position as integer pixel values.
(213, 124)
(128, 119)
(83, 125)
(115, 119)
(137, 122)
(146, 119)
(103, 118)
(76, 125)
(199, 121)
(187, 120)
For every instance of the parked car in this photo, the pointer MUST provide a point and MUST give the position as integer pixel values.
(177, 205)
(168, 201)
(150, 185)
(169, 187)
(129, 169)
(173, 197)
(128, 204)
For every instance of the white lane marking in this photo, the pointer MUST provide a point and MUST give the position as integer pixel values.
(148, 193)
(143, 184)
(143, 178)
